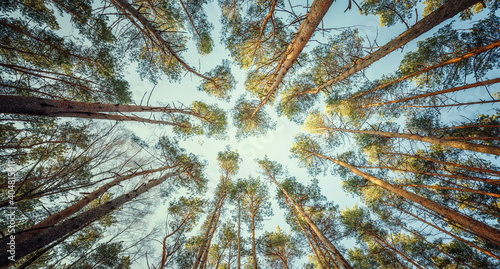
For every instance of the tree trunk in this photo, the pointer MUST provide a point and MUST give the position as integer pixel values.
(428, 139)
(36, 106)
(49, 235)
(254, 250)
(320, 246)
(439, 176)
(207, 237)
(313, 18)
(475, 227)
(451, 105)
(55, 218)
(467, 55)
(390, 248)
(306, 234)
(454, 89)
(229, 255)
(449, 9)
(477, 169)
(212, 233)
(448, 233)
(238, 257)
(340, 259)
(429, 243)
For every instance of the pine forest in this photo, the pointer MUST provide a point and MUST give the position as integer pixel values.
(245, 134)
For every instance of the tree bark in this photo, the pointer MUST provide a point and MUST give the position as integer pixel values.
(467, 55)
(454, 89)
(313, 18)
(448, 233)
(477, 169)
(36, 106)
(340, 259)
(446, 11)
(72, 225)
(212, 233)
(252, 228)
(428, 139)
(201, 250)
(306, 234)
(473, 226)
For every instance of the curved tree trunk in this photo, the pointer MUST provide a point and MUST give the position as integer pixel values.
(424, 95)
(446, 232)
(475, 227)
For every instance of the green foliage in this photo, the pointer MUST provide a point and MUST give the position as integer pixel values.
(279, 247)
(198, 25)
(304, 148)
(295, 107)
(211, 121)
(228, 162)
(183, 207)
(243, 38)
(57, 66)
(105, 256)
(222, 81)
(255, 200)
(191, 169)
(326, 62)
(247, 125)
(389, 12)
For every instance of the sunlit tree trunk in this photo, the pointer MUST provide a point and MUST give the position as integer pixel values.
(468, 54)
(446, 11)
(314, 16)
(252, 228)
(424, 95)
(477, 169)
(428, 139)
(446, 232)
(476, 227)
(306, 234)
